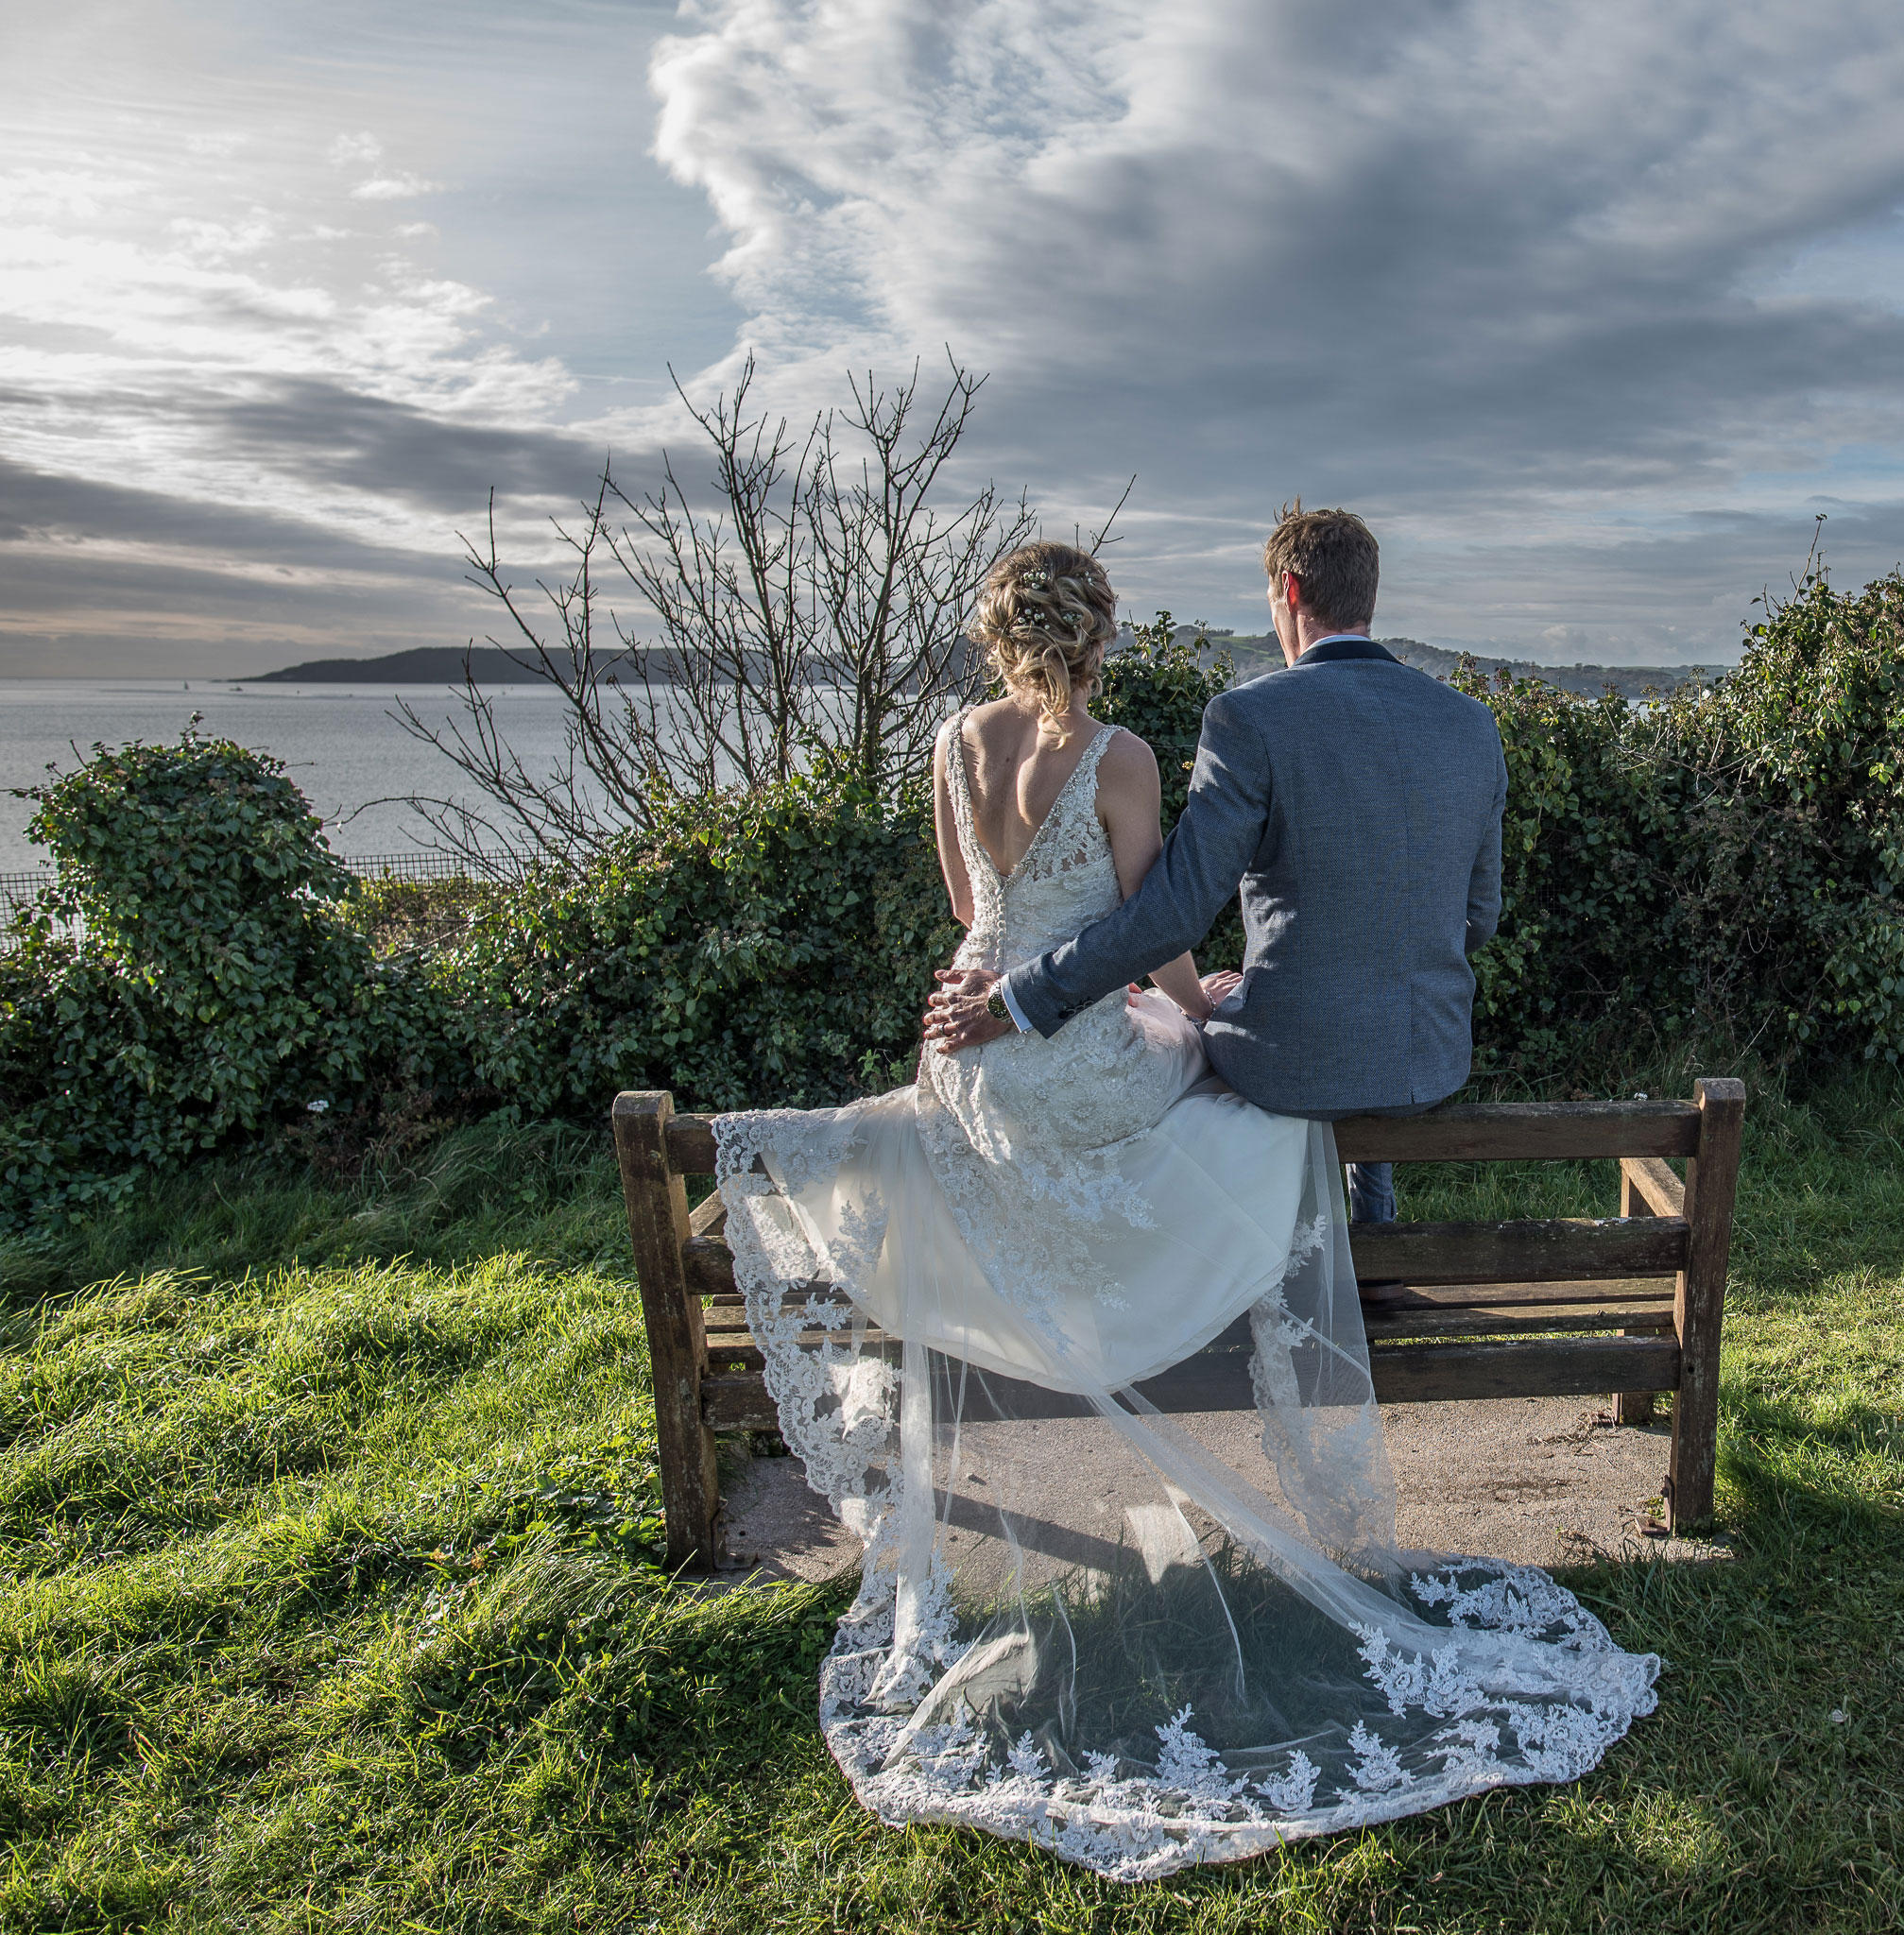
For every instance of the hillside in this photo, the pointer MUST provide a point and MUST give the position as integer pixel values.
(421, 665)
(1255, 656)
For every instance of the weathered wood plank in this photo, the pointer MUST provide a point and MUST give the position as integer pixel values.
(738, 1401)
(1562, 1247)
(1447, 1314)
(1512, 1259)
(1217, 1377)
(1648, 1188)
(709, 1217)
(728, 1311)
(1484, 1320)
(733, 1350)
(1394, 1299)
(1464, 1132)
(729, 1349)
(691, 1144)
(710, 1266)
(1532, 1367)
(1711, 1187)
(657, 1203)
(1506, 1131)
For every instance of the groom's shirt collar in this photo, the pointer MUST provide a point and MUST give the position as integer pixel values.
(1343, 645)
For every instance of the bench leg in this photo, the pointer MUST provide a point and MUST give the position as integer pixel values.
(1634, 1407)
(1699, 1301)
(656, 1202)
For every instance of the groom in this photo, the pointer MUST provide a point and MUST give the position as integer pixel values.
(1357, 803)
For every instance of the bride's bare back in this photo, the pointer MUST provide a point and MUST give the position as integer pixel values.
(1017, 759)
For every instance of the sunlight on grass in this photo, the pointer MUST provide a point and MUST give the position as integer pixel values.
(330, 1598)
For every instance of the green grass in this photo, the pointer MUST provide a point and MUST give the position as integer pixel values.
(328, 1597)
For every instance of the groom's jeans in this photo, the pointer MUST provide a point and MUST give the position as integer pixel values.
(1371, 1193)
(1371, 1184)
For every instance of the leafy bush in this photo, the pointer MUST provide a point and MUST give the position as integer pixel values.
(1721, 866)
(208, 985)
(770, 948)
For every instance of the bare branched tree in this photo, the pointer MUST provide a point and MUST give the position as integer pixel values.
(810, 607)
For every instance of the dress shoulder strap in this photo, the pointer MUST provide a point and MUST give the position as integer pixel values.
(1095, 751)
(958, 783)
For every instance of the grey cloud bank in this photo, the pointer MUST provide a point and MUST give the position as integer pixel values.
(1590, 309)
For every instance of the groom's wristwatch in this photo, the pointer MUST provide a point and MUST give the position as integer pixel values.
(995, 1005)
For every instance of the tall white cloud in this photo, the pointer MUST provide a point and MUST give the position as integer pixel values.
(1528, 279)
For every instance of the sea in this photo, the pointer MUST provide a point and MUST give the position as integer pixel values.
(343, 745)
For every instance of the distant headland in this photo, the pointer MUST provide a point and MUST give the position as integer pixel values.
(425, 665)
(491, 665)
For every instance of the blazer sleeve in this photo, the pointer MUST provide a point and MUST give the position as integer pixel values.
(1200, 868)
(1484, 887)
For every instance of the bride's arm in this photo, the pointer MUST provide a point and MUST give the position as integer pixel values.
(1129, 803)
(952, 862)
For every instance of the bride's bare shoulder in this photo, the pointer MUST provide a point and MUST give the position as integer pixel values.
(1127, 760)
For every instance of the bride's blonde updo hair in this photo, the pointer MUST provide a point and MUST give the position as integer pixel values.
(1044, 619)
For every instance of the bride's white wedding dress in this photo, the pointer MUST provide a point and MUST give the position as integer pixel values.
(1143, 1640)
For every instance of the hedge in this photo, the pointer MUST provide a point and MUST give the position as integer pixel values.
(1718, 867)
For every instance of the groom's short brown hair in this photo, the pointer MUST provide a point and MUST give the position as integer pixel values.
(1333, 554)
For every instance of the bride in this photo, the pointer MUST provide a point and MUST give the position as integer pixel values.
(1142, 1639)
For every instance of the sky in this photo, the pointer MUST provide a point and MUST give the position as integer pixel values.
(1590, 310)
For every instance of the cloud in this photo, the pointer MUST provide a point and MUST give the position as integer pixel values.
(1589, 309)
(142, 347)
(394, 188)
(100, 575)
(1512, 274)
(349, 151)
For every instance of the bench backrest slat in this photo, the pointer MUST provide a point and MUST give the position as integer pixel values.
(1512, 1131)
(1465, 1132)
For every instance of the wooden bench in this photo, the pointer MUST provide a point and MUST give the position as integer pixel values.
(1630, 1305)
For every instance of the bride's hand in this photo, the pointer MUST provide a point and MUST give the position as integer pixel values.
(1221, 985)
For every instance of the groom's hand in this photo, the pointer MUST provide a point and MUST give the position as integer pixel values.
(956, 1017)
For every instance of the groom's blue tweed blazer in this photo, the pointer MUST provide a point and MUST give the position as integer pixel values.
(1358, 802)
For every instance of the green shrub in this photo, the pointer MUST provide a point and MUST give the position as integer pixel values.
(1158, 688)
(1795, 799)
(208, 985)
(773, 948)
(1721, 866)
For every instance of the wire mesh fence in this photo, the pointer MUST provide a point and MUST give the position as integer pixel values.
(19, 891)
(414, 865)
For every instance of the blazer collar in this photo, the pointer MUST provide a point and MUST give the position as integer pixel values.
(1327, 651)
